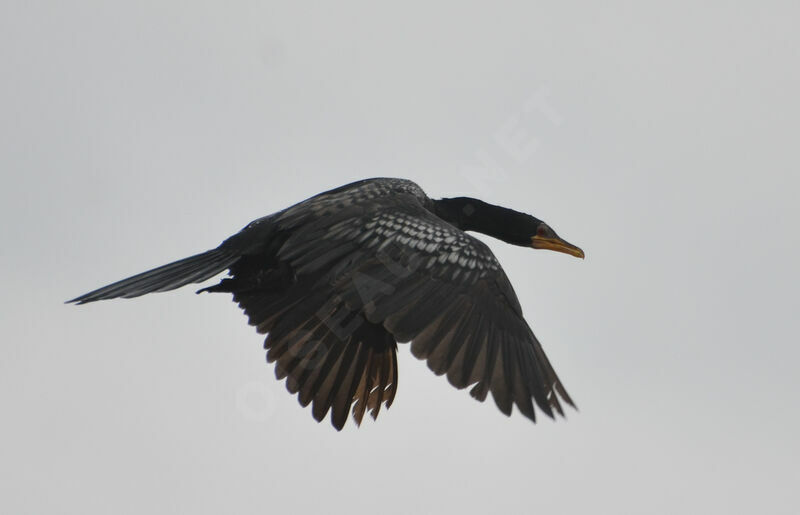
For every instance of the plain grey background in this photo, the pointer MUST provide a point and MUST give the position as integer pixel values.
(659, 136)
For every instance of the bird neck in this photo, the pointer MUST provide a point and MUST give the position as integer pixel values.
(470, 214)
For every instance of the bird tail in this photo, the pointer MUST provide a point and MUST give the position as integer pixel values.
(193, 269)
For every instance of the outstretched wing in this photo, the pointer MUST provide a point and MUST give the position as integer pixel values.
(398, 265)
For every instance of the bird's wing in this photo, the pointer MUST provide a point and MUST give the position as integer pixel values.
(396, 264)
(330, 356)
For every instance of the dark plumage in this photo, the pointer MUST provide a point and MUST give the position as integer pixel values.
(337, 280)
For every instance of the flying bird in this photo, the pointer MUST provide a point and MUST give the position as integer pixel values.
(337, 280)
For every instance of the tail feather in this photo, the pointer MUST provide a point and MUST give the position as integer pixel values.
(193, 269)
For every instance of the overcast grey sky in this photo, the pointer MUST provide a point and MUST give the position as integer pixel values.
(659, 136)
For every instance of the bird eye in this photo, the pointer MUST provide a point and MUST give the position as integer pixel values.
(542, 230)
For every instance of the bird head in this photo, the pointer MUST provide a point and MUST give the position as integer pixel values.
(546, 238)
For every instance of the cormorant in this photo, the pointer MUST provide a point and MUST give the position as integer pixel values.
(337, 280)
